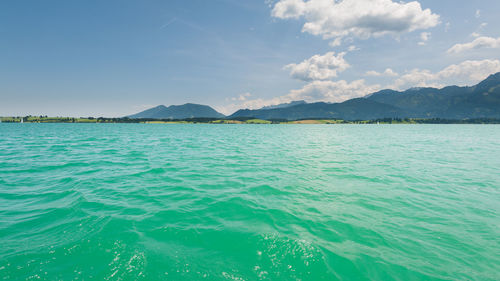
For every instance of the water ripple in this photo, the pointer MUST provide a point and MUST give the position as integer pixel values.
(256, 202)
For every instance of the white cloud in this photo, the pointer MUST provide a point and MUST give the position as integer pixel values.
(242, 97)
(480, 42)
(353, 48)
(233, 107)
(337, 42)
(416, 78)
(319, 67)
(388, 73)
(424, 37)
(269, 3)
(331, 91)
(478, 14)
(327, 91)
(473, 71)
(465, 72)
(360, 18)
(475, 34)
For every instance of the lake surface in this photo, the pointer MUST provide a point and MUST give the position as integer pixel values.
(249, 202)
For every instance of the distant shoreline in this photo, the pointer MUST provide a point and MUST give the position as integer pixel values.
(83, 120)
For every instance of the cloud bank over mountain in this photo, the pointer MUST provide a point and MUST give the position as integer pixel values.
(467, 72)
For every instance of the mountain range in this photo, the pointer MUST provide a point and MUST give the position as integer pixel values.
(453, 102)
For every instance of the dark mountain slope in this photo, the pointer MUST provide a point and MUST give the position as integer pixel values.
(355, 109)
(283, 105)
(423, 102)
(453, 102)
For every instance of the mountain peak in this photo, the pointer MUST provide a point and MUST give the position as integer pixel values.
(495, 76)
(492, 78)
(160, 106)
(492, 81)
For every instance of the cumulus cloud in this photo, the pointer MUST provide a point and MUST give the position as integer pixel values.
(416, 78)
(473, 71)
(337, 42)
(269, 3)
(331, 91)
(241, 104)
(353, 48)
(360, 18)
(319, 67)
(424, 37)
(465, 72)
(387, 73)
(241, 97)
(478, 43)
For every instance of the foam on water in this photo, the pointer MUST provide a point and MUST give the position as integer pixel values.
(249, 202)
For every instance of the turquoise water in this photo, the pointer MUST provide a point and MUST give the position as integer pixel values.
(249, 202)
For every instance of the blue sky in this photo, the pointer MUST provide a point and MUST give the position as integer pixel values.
(114, 58)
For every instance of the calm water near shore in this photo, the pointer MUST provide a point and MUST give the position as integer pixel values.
(249, 202)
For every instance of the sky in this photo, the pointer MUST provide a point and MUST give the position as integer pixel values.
(118, 57)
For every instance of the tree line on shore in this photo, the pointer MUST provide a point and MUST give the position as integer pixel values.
(244, 120)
